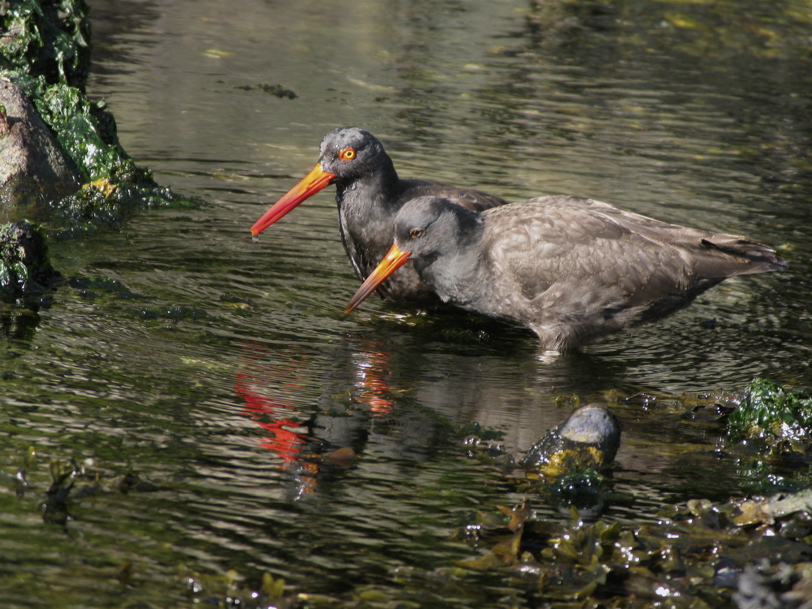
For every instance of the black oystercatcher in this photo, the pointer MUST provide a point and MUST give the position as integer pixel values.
(569, 268)
(369, 194)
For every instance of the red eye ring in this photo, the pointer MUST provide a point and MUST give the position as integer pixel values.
(347, 154)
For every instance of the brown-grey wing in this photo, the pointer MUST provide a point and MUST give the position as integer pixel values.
(568, 248)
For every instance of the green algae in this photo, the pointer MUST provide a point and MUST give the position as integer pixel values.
(771, 413)
(771, 433)
(699, 554)
(50, 39)
(73, 119)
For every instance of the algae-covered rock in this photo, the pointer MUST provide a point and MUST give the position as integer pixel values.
(589, 438)
(45, 52)
(113, 186)
(74, 119)
(569, 459)
(34, 169)
(25, 268)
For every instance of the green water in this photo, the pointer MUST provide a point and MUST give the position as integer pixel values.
(220, 370)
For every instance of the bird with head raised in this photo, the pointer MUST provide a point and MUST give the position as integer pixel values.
(369, 194)
(569, 268)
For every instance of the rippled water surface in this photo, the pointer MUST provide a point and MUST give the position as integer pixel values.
(222, 371)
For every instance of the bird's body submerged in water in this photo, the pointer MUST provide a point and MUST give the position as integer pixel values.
(369, 193)
(569, 268)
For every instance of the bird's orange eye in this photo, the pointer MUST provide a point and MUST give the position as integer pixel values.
(416, 233)
(347, 154)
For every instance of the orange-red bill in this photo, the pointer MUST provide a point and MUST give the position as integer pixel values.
(312, 183)
(393, 260)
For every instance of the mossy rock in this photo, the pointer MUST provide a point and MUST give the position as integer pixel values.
(588, 439)
(45, 53)
(25, 268)
(570, 459)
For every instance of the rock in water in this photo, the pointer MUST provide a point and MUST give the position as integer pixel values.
(25, 268)
(33, 168)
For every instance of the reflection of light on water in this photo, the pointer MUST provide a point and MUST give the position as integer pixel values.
(548, 357)
(665, 591)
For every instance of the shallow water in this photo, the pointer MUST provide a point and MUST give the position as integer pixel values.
(215, 367)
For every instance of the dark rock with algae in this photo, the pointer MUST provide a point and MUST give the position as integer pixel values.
(24, 265)
(588, 439)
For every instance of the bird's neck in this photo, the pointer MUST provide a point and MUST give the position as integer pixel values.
(366, 208)
(460, 277)
(374, 190)
(366, 205)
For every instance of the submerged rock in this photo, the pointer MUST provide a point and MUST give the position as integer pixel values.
(33, 166)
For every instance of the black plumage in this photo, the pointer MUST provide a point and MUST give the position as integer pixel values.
(369, 194)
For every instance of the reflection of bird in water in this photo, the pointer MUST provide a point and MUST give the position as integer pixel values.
(570, 269)
(369, 194)
(371, 369)
(269, 389)
(277, 415)
(311, 443)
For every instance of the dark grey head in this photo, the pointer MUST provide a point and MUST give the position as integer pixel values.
(440, 237)
(352, 153)
(429, 227)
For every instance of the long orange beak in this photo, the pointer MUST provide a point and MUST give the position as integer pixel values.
(393, 260)
(312, 183)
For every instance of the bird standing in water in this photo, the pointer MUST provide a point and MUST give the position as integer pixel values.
(369, 194)
(569, 268)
